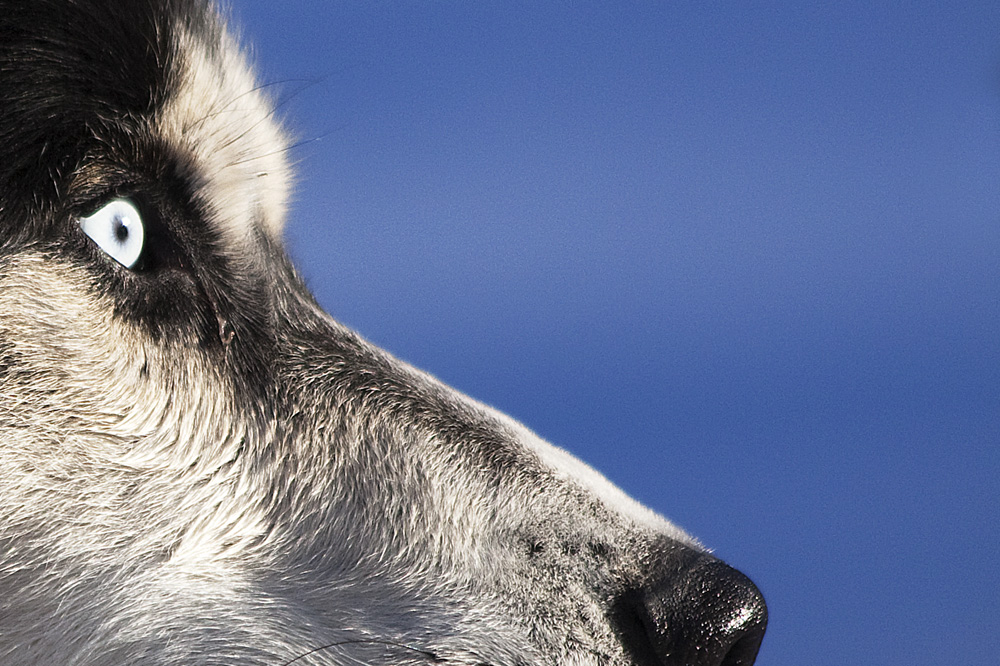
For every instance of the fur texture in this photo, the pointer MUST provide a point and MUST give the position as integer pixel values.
(199, 466)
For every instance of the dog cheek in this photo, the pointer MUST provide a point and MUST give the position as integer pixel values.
(58, 339)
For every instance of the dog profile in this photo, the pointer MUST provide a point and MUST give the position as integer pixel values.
(200, 466)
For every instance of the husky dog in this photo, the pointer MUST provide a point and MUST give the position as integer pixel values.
(199, 466)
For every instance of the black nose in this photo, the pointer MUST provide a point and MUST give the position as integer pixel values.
(707, 615)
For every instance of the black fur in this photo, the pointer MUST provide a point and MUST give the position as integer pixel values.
(333, 495)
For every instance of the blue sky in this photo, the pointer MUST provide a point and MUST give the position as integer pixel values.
(742, 257)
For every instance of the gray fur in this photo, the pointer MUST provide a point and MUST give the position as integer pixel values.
(237, 479)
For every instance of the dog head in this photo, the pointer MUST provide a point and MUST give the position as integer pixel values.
(199, 466)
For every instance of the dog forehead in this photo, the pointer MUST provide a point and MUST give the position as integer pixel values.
(218, 119)
(66, 67)
(86, 79)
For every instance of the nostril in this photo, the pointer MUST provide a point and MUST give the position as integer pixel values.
(711, 615)
(635, 628)
(744, 650)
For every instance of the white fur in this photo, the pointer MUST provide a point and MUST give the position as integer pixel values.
(276, 490)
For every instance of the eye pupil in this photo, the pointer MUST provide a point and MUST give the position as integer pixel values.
(121, 230)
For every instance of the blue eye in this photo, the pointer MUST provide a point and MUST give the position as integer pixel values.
(117, 229)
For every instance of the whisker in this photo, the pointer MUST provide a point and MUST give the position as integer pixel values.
(427, 654)
(287, 149)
